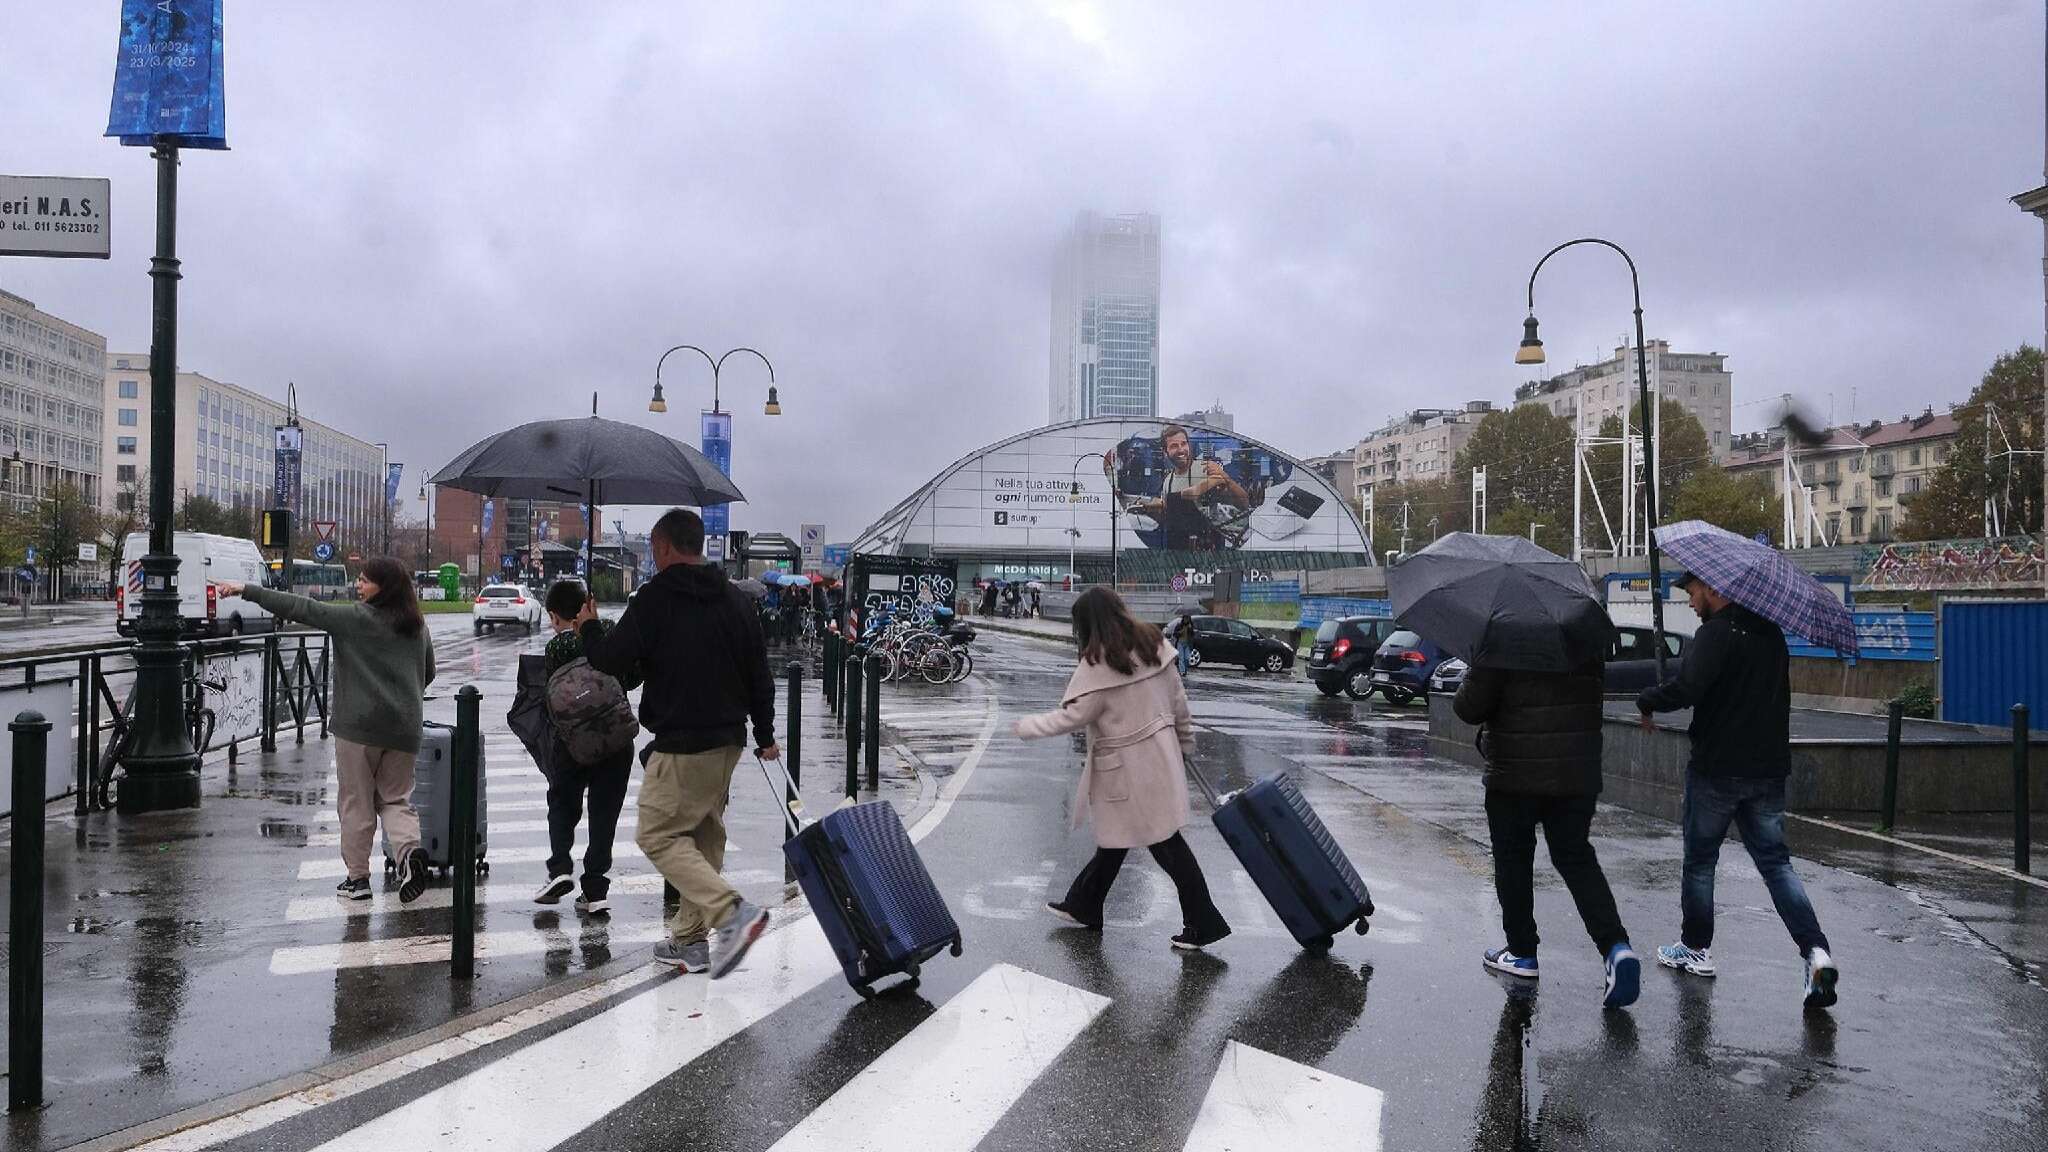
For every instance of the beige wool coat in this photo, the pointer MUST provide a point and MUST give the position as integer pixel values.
(1134, 787)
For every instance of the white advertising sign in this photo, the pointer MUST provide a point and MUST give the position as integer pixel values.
(811, 543)
(55, 216)
(1173, 490)
(88, 553)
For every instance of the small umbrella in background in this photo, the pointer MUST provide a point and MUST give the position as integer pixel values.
(1501, 602)
(1760, 578)
(751, 587)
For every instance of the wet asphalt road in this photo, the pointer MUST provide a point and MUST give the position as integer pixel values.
(1047, 1037)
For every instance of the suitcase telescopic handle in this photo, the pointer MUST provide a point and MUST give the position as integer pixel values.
(792, 809)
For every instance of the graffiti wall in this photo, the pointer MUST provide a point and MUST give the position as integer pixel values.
(1933, 565)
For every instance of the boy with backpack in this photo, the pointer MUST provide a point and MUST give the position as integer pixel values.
(592, 753)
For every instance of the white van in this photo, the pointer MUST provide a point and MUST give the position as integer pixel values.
(203, 558)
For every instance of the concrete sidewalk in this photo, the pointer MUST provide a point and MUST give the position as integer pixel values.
(192, 956)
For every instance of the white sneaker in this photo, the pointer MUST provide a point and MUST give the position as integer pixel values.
(1820, 979)
(554, 889)
(1697, 961)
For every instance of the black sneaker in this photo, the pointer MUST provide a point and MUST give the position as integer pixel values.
(1190, 940)
(412, 876)
(1066, 914)
(355, 889)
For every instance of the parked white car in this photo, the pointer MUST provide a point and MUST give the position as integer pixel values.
(505, 604)
(204, 559)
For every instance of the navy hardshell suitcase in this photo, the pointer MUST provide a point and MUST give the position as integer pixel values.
(1301, 871)
(871, 894)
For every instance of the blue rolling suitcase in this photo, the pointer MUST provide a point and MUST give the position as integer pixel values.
(1301, 871)
(870, 892)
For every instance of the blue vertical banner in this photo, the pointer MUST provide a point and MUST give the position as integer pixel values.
(717, 437)
(168, 75)
(392, 472)
(485, 528)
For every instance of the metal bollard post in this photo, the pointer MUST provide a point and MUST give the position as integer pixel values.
(269, 743)
(462, 831)
(82, 760)
(828, 673)
(792, 752)
(1888, 812)
(2022, 796)
(849, 698)
(873, 724)
(25, 915)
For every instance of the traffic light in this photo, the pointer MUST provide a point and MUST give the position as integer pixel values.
(277, 528)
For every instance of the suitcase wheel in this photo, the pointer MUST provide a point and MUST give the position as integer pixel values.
(1320, 944)
(390, 866)
(1364, 925)
(956, 946)
(910, 970)
(483, 868)
(866, 993)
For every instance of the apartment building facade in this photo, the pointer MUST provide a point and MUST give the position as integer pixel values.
(1862, 478)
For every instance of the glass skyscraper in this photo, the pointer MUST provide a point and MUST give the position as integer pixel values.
(1105, 319)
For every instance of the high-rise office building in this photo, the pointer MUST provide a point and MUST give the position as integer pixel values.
(50, 404)
(1105, 319)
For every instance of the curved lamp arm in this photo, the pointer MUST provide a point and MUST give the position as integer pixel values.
(657, 404)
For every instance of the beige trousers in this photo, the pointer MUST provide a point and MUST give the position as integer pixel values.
(682, 831)
(373, 783)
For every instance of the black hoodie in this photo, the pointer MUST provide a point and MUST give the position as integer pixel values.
(695, 641)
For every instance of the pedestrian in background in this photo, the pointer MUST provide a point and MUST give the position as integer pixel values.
(1736, 678)
(603, 779)
(1133, 786)
(1540, 734)
(383, 662)
(695, 641)
(1182, 633)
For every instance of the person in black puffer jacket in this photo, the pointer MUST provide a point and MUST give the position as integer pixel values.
(1540, 733)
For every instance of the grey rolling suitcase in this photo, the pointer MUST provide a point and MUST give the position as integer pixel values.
(433, 791)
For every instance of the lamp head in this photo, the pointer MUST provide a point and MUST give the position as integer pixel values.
(774, 406)
(1531, 351)
(657, 404)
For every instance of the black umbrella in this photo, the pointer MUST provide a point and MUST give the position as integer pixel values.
(1501, 602)
(588, 459)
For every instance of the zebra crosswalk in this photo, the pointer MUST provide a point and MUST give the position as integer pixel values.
(972, 1059)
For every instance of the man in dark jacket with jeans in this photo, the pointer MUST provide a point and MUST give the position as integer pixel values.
(1736, 679)
(1540, 735)
(695, 641)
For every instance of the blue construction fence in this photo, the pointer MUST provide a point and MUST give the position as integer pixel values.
(1881, 634)
(1316, 609)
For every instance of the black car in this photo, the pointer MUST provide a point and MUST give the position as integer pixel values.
(1218, 640)
(1341, 660)
(1631, 663)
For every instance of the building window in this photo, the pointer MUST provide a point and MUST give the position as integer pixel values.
(1884, 486)
(124, 445)
(130, 389)
(1856, 464)
(1913, 457)
(1881, 526)
(1834, 526)
(128, 418)
(1832, 469)
(1855, 523)
(125, 473)
(1912, 485)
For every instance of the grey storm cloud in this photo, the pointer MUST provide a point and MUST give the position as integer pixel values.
(443, 219)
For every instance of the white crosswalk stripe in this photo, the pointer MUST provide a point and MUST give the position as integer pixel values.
(971, 1060)
(1259, 1100)
(498, 828)
(493, 895)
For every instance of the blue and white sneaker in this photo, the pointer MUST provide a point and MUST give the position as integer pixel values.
(1694, 960)
(1502, 960)
(1820, 979)
(1624, 976)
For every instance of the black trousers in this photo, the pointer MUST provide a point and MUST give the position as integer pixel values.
(1197, 911)
(1567, 822)
(606, 783)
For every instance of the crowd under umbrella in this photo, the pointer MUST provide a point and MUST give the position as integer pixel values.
(1760, 578)
(751, 587)
(588, 459)
(1501, 602)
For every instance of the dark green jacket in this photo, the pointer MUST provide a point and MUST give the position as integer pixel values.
(379, 675)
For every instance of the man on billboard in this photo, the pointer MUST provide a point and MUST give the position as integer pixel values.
(1195, 497)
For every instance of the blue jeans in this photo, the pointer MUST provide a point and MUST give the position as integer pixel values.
(1181, 656)
(1757, 809)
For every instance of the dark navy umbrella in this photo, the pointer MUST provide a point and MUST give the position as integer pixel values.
(1501, 602)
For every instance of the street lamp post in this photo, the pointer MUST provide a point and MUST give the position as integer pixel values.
(1531, 352)
(162, 766)
(773, 407)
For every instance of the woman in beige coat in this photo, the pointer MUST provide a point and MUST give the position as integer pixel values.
(1134, 784)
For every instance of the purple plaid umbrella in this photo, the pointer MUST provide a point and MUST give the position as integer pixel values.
(1759, 578)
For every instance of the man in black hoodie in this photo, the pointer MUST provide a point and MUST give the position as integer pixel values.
(1737, 680)
(696, 643)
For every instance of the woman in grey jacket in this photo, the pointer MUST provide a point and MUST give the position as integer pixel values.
(383, 662)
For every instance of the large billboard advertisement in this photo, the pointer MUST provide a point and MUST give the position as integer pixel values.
(1172, 489)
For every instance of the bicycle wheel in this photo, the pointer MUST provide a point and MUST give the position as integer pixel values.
(964, 666)
(937, 666)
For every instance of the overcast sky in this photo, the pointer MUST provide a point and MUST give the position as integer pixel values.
(444, 219)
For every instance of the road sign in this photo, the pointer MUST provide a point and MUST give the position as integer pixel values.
(324, 529)
(88, 553)
(31, 556)
(323, 551)
(1179, 583)
(26, 574)
(836, 555)
(811, 543)
(54, 216)
(508, 562)
(580, 566)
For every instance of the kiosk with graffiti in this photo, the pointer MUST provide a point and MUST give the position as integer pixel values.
(1933, 565)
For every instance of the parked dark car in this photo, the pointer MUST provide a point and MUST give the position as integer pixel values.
(1219, 640)
(1631, 664)
(1341, 660)
(1402, 667)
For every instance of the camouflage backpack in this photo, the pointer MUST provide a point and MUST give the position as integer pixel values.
(592, 716)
